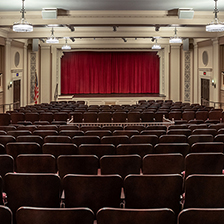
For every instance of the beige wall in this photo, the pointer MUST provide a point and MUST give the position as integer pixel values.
(172, 61)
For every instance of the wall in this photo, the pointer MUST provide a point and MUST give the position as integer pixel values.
(209, 69)
(173, 71)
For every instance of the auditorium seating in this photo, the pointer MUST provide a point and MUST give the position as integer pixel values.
(163, 164)
(99, 132)
(149, 157)
(200, 147)
(201, 215)
(57, 149)
(41, 190)
(139, 149)
(182, 148)
(204, 163)
(78, 140)
(173, 138)
(27, 215)
(115, 140)
(57, 139)
(5, 215)
(204, 191)
(6, 165)
(97, 149)
(129, 133)
(16, 148)
(120, 164)
(163, 191)
(77, 164)
(139, 139)
(33, 163)
(92, 191)
(30, 138)
(135, 216)
(153, 132)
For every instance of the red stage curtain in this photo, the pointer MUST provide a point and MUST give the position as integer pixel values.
(109, 72)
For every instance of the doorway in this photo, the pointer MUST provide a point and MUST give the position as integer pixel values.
(16, 94)
(205, 90)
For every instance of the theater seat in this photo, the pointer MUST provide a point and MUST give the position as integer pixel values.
(36, 163)
(201, 215)
(27, 215)
(163, 164)
(41, 190)
(120, 164)
(77, 164)
(204, 191)
(135, 216)
(153, 191)
(92, 191)
(5, 215)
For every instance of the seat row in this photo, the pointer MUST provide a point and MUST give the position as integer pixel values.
(98, 191)
(83, 127)
(51, 136)
(107, 117)
(193, 163)
(72, 131)
(35, 144)
(27, 215)
(89, 117)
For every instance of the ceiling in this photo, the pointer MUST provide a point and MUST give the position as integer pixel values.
(37, 5)
(111, 20)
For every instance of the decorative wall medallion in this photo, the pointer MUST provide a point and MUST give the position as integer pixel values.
(205, 58)
(17, 59)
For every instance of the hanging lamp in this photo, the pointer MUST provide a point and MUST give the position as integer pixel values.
(216, 25)
(52, 39)
(175, 39)
(22, 25)
(156, 46)
(66, 46)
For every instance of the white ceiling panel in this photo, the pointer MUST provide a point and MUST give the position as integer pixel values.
(37, 5)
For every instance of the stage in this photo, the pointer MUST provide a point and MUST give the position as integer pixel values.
(112, 99)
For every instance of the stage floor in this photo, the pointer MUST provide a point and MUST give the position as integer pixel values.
(115, 95)
(111, 99)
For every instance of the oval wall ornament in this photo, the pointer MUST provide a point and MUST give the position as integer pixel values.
(205, 58)
(17, 59)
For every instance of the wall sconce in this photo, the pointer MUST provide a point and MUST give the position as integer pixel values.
(10, 85)
(213, 83)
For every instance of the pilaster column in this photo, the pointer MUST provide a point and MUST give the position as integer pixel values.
(216, 74)
(24, 99)
(54, 71)
(8, 93)
(166, 71)
(60, 54)
(175, 72)
(196, 75)
(45, 76)
(161, 72)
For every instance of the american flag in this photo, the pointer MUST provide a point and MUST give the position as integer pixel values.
(36, 89)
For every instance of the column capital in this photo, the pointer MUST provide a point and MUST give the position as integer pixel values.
(25, 44)
(175, 46)
(8, 41)
(215, 41)
(60, 53)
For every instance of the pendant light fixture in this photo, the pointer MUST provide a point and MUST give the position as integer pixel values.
(216, 25)
(156, 46)
(22, 25)
(175, 39)
(66, 46)
(52, 39)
